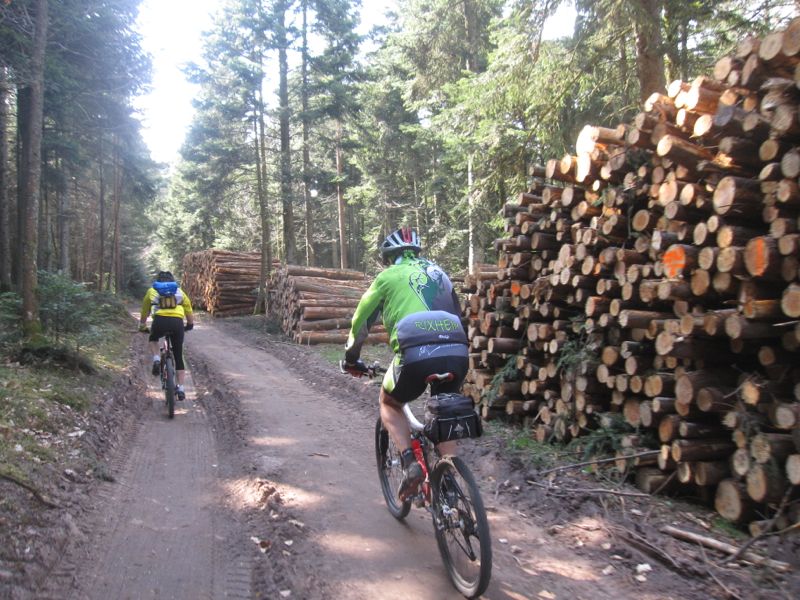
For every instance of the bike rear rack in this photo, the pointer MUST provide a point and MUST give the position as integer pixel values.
(413, 422)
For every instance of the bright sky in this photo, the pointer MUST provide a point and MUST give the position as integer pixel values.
(172, 34)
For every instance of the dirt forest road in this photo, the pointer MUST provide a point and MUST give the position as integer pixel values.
(267, 455)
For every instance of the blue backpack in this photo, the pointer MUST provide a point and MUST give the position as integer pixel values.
(168, 296)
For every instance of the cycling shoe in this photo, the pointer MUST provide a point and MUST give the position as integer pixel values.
(412, 477)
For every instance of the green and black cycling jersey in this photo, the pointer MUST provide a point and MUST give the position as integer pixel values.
(418, 303)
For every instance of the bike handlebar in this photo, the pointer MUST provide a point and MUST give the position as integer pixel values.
(376, 369)
(146, 329)
(360, 368)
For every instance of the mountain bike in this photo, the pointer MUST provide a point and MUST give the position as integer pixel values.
(168, 374)
(166, 371)
(449, 493)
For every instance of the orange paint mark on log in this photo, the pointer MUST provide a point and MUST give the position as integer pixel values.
(516, 286)
(674, 261)
(760, 258)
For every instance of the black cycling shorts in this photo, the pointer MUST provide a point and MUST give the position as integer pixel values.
(160, 327)
(405, 380)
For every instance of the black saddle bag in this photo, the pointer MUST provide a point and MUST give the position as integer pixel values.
(451, 417)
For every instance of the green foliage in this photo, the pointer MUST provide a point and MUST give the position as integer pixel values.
(66, 308)
(10, 319)
(521, 444)
(605, 440)
(70, 314)
(577, 350)
(509, 372)
(437, 127)
(40, 403)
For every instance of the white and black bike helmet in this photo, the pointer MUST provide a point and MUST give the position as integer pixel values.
(399, 241)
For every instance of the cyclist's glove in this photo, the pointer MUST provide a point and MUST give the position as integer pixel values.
(189, 327)
(356, 369)
(144, 329)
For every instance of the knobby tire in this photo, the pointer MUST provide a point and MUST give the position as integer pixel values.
(390, 472)
(464, 540)
(169, 385)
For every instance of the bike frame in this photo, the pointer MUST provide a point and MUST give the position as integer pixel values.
(419, 445)
(449, 493)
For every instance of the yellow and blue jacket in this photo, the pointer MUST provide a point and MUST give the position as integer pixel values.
(150, 304)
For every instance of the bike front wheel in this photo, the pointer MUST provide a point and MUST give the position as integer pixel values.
(169, 386)
(390, 472)
(462, 530)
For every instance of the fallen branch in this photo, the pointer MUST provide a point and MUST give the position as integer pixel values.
(714, 544)
(730, 594)
(647, 547)
(599, 461)
(36, 493)
(555, 488)
(767, 529)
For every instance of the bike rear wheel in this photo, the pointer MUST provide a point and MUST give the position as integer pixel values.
(390, 471)
(462, 530)
(169, 385)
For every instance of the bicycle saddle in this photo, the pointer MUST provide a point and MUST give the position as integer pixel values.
(440, 377)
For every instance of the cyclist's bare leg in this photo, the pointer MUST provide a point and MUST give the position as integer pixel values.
(395, 421)
(154, 351)
(180, 375)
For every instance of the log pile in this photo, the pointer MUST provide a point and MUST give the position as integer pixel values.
(222, 282)
(653, 277)
(315, 304)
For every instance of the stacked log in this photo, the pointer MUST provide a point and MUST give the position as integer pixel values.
(479, 272)
(223, 282)
(653, 277)
(315, 305)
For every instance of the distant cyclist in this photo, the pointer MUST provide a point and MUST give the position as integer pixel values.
(421, 312)
(169, 305)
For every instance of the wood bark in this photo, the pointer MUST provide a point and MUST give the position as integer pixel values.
(32, 178)
(281, 7)
(679, 273)
(649, 53)
(5, 183)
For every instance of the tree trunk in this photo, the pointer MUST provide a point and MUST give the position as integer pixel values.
(43, 243)
(261, 179)
(470, 29)
(343, 247)
(30, 308)
(5, 230)
(64, 207)
(23, 119)
(116, 259)
(649, 52)
(286, 160)
(102, 233)
(475, 251)
(310, 256)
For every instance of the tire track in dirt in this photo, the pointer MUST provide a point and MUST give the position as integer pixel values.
(161, 529)
(274, 446)
(309, 432)
(313, 450)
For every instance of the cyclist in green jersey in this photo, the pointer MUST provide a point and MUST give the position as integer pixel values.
(169, 305)
(421, 312)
